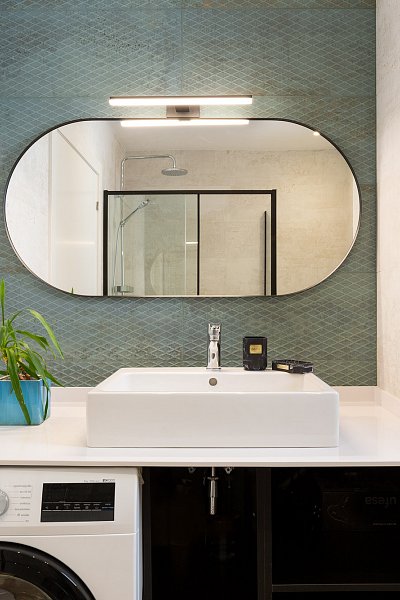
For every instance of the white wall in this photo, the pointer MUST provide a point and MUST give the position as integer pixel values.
(95, 141)
(44, 176)
(74, 222)
(27, 213)
(388, 172)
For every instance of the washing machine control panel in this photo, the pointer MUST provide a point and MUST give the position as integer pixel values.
(4, 502)
(15, 502)
(69, 500)
(77, 502)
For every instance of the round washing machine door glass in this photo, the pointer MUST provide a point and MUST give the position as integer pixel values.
(30, 574)
(14, 588)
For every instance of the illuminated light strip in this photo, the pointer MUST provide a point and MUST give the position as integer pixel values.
(179, 100)
(181, 122)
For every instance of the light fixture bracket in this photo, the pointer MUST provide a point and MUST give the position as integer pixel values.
(183, 112)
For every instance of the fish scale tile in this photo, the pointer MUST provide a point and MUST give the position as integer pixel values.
(311, 61)
(74, 5)
(273, 47)
(60, 60)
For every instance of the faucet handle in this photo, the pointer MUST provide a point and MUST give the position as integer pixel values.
(214, 331)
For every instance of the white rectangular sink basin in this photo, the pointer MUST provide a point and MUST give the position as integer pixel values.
(194, 407)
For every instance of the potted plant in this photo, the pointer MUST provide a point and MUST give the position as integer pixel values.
(24, 378)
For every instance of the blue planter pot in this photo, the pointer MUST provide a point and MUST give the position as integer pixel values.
(37, 401)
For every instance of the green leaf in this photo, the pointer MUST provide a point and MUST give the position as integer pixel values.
(38, 365)
(46, 406)
(2, 299)
(28, 369)
(21, 361)
(39, 339)
(49, 330)
(14, 316)
(3, 336)
(51, 377)
(12, 367)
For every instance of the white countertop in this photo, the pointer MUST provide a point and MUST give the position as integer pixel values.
(369, 435)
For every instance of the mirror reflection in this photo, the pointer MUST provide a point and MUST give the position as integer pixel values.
(269, 208)
(190, 243)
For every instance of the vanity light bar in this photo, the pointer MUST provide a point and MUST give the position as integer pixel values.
(181, 122)
(179, 100)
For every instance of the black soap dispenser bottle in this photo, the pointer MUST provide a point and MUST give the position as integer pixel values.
(254, 353)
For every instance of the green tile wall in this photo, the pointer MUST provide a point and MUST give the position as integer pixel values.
(307, 60)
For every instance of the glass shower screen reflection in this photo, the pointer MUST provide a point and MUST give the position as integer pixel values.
(196, 243)
(151, 244)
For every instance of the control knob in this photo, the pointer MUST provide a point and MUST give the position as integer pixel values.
(4, 502)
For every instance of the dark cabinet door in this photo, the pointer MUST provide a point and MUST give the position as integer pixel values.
(277, 531)
(338, 526)
(194, 554)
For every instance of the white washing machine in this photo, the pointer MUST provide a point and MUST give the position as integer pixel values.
(70, 534)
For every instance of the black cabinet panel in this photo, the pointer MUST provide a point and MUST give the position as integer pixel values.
(304, 533)
(336, 525)
(197, 555)
(336, 596)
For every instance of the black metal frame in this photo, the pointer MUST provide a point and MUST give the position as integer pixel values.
(105, 243)
(274, 253)
(50, 129)
(198, 247)
(272, 193)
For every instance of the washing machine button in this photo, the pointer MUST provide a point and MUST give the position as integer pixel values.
(4, 502)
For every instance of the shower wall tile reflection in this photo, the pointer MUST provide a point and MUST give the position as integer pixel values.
(233, 244)
(167, 270)
(316, 218)
(158, 256)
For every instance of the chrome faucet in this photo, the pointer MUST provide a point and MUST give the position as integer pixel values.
(214, 346)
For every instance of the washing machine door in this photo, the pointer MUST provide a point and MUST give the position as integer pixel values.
(30, 574)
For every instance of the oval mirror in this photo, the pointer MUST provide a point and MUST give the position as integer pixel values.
(268, 208)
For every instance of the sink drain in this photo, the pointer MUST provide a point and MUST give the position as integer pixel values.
(213, 381)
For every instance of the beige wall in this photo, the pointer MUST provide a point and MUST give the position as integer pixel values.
(388, 153)
(315, 201)
(232, 244)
